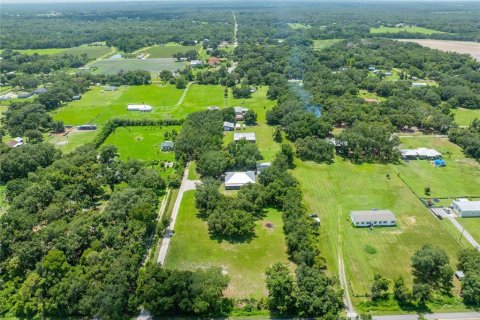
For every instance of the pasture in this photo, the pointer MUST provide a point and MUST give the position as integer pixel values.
(113, 66)
(464, 117)
(323, 44)
(461, 176)
(409, 29)
(245, 262)
(167, 50)
(334, 190)
(93, 52)
(472, 225)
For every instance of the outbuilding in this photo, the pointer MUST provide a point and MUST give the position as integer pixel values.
(426, 153)
(373, 218)
(167, 146)
(466, 208)
(139, 107)
(249, 136)
(262, 166)
(228, 126)
(236, 180)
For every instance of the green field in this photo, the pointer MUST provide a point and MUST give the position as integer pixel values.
(113, 66)
(3, 204)
(323, 44)
(50, 51)
(334, 190)
(245, 263)
(404, 29)
(472, 225)
(464, 117)
(461, 176)
(166, 51)
(298, 26)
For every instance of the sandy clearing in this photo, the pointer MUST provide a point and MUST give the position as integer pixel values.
(464, 47)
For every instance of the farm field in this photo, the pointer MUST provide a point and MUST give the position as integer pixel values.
(166, 51)
(461, 176)
(463, 117)
(334, 190)
(323, 44)
(113, 66)
(404, 29)
(463, 47)
(73, 140)
(245, 263)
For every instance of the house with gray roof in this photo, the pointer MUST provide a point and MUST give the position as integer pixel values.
(236, 180)
(228, 126)
(167, 146)
(373, 218)
(466, 208)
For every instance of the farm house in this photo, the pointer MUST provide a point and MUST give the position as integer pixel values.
(466, 208)
(370, 218)
(236, 180)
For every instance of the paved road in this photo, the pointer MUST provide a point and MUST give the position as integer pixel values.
(434, 316)
(185, 186)
(466, 235)
(343, 281)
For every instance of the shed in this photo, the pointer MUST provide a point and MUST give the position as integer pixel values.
(466, 208)
(139, 107)
(17, 142)
(249, 136)
(228, 126)
(369, 218)
(167, 146)
(419, 84)
(408, 154)
(460, 275)
(236, 180)
(87, 127)
(439, 163)
(110, 88)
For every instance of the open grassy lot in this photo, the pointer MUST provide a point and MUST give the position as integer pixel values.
(199, 97)
(322, 44)
(93, 52)
(72, 140)
(258, 103)
(113, 66)
(264, 135)
(461, 176)
(369, 95)
(334, 190)
(167, 51)
(297, 26)
(464, 117)
(404, 29)
(245, 263)
(472, 225)
(49, 51)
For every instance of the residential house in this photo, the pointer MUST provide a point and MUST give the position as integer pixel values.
(373, 218)
(249, 136)
(240, 112)
(213, 61)
(236, 180)
(167, 146)
(228, 126)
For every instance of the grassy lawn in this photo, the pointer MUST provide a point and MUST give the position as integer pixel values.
(297, 26)
(49, 51)
(192, 171)
(258, 103)
(93, 52)
(334, 190)
(245, 263)
(113, 66)
(166, 51)
(461, 176)
(369, 95)
(323, 44)
(199, 97)
(472, 225)
(404, 29)
(464, 117)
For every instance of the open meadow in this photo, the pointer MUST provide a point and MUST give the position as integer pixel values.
(113, 66)
(464, 117)
(409, 29)
(323, 44)
(460, 177)
(166, 51)
(334, 190)
(245, 263)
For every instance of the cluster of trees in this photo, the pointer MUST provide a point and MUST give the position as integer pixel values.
(189, 55)
(61, 254)
(431, 272)
(468, 139)
(469, 263)
(23, 116)
(39, 64)
(132, 78)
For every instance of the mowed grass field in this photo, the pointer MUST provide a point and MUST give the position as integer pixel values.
(472, 225)
(167, 51)
(113, 66)
(464, 117)
(264, 135)
(245, 263)
(334, 190)
(323, 44)
(422, 30)
(461, 176)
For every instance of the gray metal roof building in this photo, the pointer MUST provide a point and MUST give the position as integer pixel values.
(370, 218)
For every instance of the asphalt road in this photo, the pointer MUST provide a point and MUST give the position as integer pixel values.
(434, 316)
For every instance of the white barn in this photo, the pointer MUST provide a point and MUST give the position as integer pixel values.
(139, 107)
(249, 136)
(236, 180)
(369, 218)
(466, 208)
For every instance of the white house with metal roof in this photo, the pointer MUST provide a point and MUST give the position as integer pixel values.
(466, 208)
(236, 180)
(373, 218)
(139, 107)
(249, 136)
